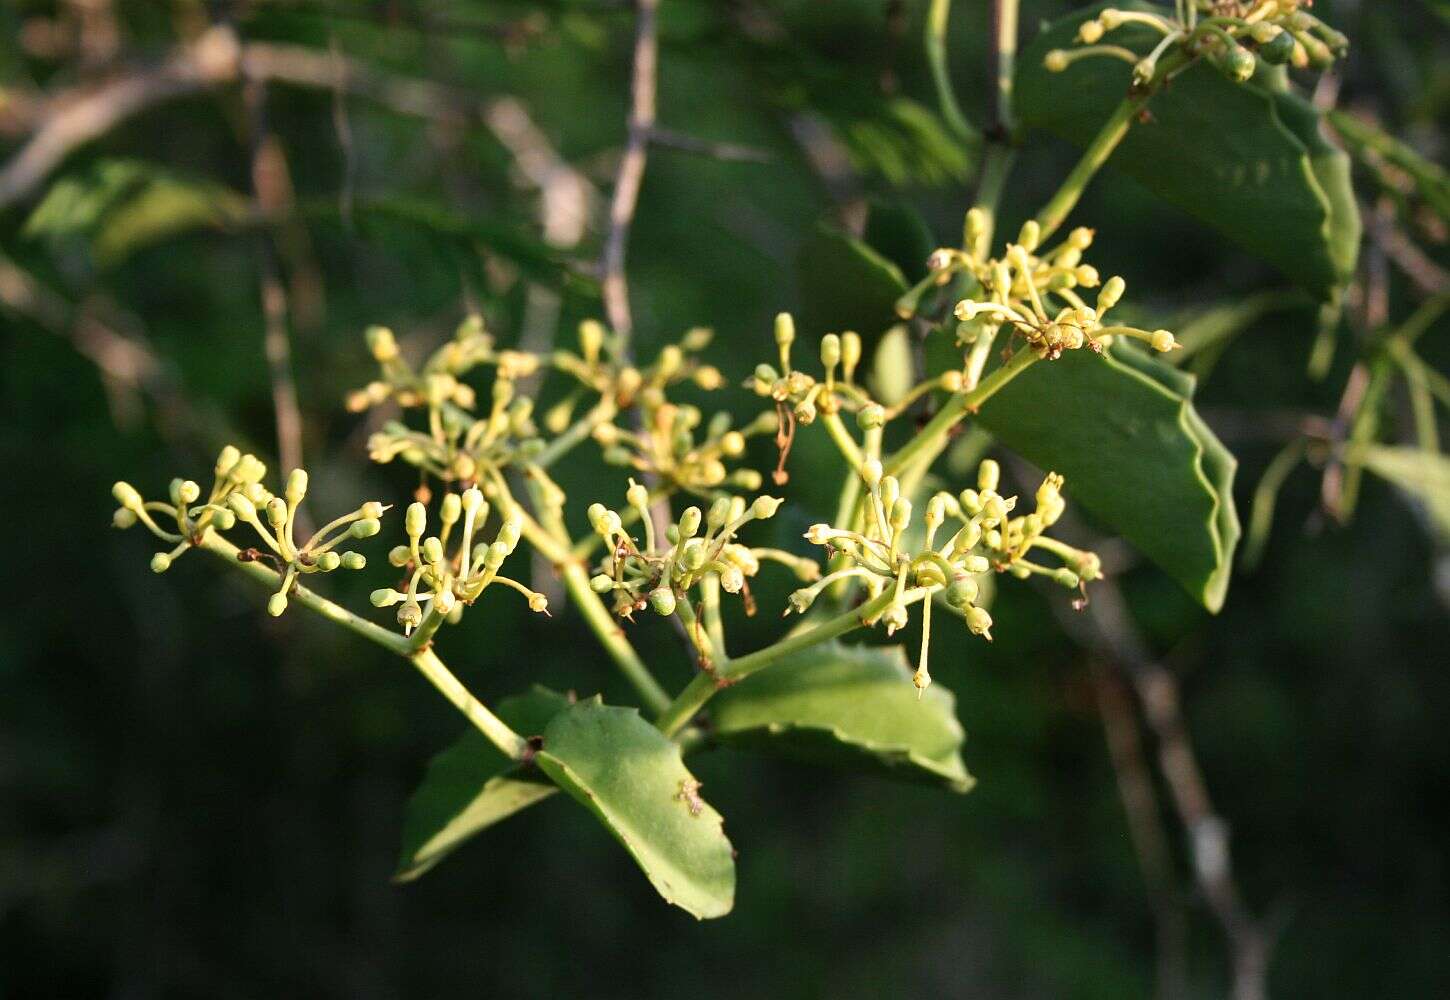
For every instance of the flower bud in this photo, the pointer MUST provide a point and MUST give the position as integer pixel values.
(416, 520)
(538, 603)
(1110, 293)
(719, 513)
(296, 486)
(662, 601)
(432, 549)
(450, 509)
(123, 518)
(1030, 236)
(970, 500)
(444, 600)
(989, 474)
(900, 514)
(1162, 340)
(732, 444)
(1065, 577)
(871, 472)
(871, 416)
(496, 554)
(591, 339)
(693, 555)
(353, 560)
(1086, 275)
(410, 615)
(637, 495)
(276, 512)
(226, 460)
(384, 598)
(952, 381)
(850, 352)
(1111, 18)
(601, 583)
(329, 561)
(784, 330)
(1143, 71)
(1090, 32)
(976, 564)
(1056, 60)
(187, 492)
(126, 496)
(894, 618)
(382, 343)
(160, 562)
(732, 581)
(830, 350)
(509, 532)
(366, 527)
(765, 507)
(962, 593)
(690, 522)
(276, 604)
(242, 507)
(979, 622)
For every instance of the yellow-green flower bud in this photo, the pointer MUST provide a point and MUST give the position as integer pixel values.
(690, 522)
(971, 501)
(382, 343)
(187, 492)
(784, 330)
(126, 496)
(766, 506)
(894, 618)
(850, 353)
(1111, 292)
(591, 339)
(989, 474)
(276, 512)
(366, 527)
(871, 416)
(296, 486)
(432, 549)
(123, 518)
(1111, 18)
(410, 616)
(160, 562)
(976, 564)
(444, 600)
(509, 532)
(1238, 65)
(226, 460)
(1277, 49)
(662, 601)
(979, 622)
(1056, 60)
(962, 593)
(450, 509)
(1030, 236)
(693, 555)
(732, 581)
(1090, 32)
(276, 604)
(601, 583)
(1065, 577)
(637, 495)
(242, 507)
(353, 560)
(830, 350)
(415, 522)
(385, 598)
(1162, 340)
(496, 554)
(900, 514)
(329, 561)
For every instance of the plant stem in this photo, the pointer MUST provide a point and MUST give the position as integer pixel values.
(936, 57)
(1104, 143)
(427, 662)
(1003, 56)
(703, 687)
(996, 167)
(604, 410)
(935, 432)
(497, 731)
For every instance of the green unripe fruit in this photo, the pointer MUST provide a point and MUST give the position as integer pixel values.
(662, 601)
(692, 556)
(1239, 64)
(871, 416)
(1278, 49)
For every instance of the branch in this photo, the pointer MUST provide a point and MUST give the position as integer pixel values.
(627, 182)
(730, 152)
(1106, 628)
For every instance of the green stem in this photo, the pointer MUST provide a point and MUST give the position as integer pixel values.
(1004, 53)
(836, 428)
(936, 58)
(703, 687)
(1104, 143)
(427, 662)
(935, 432)
(497, 731)
(996, 168)
(603, 411)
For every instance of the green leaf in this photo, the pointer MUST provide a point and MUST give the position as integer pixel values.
(1135, 454)
(1423, 474)
(122, 206)
(1249, 162)
(850, 706)
(631, 777)
(898, 232)
(846, 285)
(471, 786)
(1373, 145)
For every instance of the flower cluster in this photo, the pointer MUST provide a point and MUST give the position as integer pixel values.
(660, 574)
(451, 581)
(237, 493)
(1232, 34)
(1037, 294)
(886, 556)
(666, 447)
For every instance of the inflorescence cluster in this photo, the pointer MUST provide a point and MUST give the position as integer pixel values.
(1232, 34)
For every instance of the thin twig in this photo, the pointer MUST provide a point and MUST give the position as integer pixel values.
(630, 176)
(269, 184)
(730, 152)
(1106, 627)
(1145, 827)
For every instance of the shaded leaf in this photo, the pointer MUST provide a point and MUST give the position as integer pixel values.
(1247, 161)
(1135, 454)
(848, 706)
(846, 285)
(898, 232)
(471, 786)
(631, 777)
(1423, 474)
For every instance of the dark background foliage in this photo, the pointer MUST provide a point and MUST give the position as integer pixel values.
(196, 799)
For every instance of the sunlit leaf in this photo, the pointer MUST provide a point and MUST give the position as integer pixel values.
(1249, 162)
(631, 777)
(847, 706)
